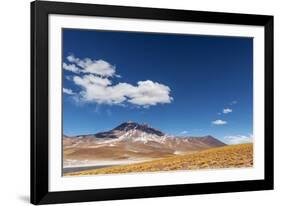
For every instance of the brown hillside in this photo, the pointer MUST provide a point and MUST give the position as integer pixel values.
(233, 156)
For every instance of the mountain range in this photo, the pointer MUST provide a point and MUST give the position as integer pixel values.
(131, 141)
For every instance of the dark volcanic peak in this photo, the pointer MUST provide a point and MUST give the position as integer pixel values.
(127, 126)
(143, 132)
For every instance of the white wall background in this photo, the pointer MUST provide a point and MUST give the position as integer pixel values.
(14, 102)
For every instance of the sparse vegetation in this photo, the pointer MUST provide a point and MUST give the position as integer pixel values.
(232, 156)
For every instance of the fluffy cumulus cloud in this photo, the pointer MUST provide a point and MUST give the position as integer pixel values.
(238, 139)
(227, 110)
(219, 122)
(149, 93)
(100, 90)
(96, 86)
(87, 65)
(71, 67)
(68, 91)
(90, 79)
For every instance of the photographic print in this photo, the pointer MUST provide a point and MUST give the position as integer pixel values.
(137, 102)
(134, 102)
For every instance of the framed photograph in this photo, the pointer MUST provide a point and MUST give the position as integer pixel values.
(133, 102)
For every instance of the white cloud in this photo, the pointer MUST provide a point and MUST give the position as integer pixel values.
(238, 139)
(71, 67)
(68, 91)
(219, 122)
(226, 110)
(72, 58)
(100, 67)
(68, 77)
(96, 85)
(91, 79)
(99, 90)
(149, 93)
(87, 65)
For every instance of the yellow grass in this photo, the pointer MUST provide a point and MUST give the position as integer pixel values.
(233, 156)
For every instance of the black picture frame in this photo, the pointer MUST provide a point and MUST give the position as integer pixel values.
(40, 112)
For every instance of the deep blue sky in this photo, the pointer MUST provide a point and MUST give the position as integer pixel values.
(205, 74)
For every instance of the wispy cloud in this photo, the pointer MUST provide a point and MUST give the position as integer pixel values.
(68, 77)
(238, 139)
(226, 110)
(233, 102)
(71, 67)
(68, 91)
(96, 86)
(184, 132)
(219, 122)
(87, 65)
